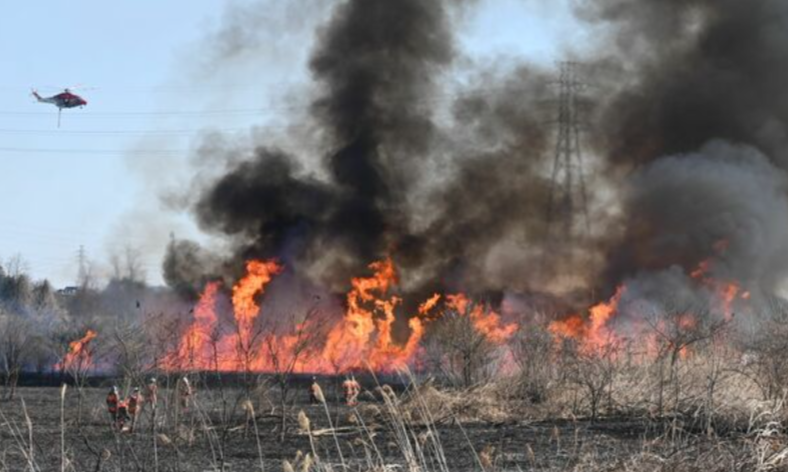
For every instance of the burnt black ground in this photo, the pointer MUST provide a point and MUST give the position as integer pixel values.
(556, 445)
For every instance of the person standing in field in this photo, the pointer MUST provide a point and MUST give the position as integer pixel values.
(112, 404)
(355, 390)
(134, 405)
(350, 386)
(151, 398)
(185, 393)
(152, 392)
(313, 391)
(123, 415)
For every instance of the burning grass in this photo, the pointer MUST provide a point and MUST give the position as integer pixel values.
(362, 338)
(628, 384)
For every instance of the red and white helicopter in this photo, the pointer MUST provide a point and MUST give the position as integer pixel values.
(65, 99)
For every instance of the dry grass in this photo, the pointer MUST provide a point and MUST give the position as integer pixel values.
(485, 404)
(712, 419)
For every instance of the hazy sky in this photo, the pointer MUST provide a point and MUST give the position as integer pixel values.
(147, 71)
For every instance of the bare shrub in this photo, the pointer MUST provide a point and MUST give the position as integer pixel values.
(533, 349)
(459, 352)
(677, 330)
(592, 370)
(765, 354)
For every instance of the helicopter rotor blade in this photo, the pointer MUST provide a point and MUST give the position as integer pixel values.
(55, 89)
(81, 87)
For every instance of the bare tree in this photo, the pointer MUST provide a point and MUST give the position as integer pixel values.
(15, 348)
(160, 333)
(128, 264)
(135, 268)
(248, 346)
(132, 352)
(16, 289)
(15, 266)
(44, 301)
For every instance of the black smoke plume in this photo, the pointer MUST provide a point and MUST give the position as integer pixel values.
(386, 186)
(460, 203)
(699, 70)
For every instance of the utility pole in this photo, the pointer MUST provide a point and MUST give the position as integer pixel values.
(82, 271)
(567, 195)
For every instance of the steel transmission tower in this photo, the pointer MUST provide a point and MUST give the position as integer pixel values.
(567, 195)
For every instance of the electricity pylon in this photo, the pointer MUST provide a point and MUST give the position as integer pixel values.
(567, 195)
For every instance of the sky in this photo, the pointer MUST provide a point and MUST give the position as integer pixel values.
(147, 71)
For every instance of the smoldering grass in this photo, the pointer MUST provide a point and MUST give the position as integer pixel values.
(63, 428)
(249, 407)
(214, 442)
(22, 444)
(322, 399)
(31, 455)
(371, 441)
(306, 425)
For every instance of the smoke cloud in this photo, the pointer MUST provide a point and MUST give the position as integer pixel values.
(725, 204)
(677, 76)
(460, 202)
(698, 71)
(384, 186)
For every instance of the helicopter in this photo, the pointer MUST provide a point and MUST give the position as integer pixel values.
(65, 99)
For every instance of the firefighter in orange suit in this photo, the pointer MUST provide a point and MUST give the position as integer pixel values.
(123, 414)
(112, 404)
(134, 403)
(350, 387)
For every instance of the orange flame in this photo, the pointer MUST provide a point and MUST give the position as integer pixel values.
(593, 331)
(725, 292)
(700, 272)
(602, 313)
(246, 310)
(573, 326)
(79, 356)
(485, 320)
(362, 338)
(429, 304)
(203, 346)
(195, 344)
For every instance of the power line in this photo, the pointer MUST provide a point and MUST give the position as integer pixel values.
(150, 132)
(248, 111)
(93, 151)
(435, 97)
(14, 224)
(145, 88)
